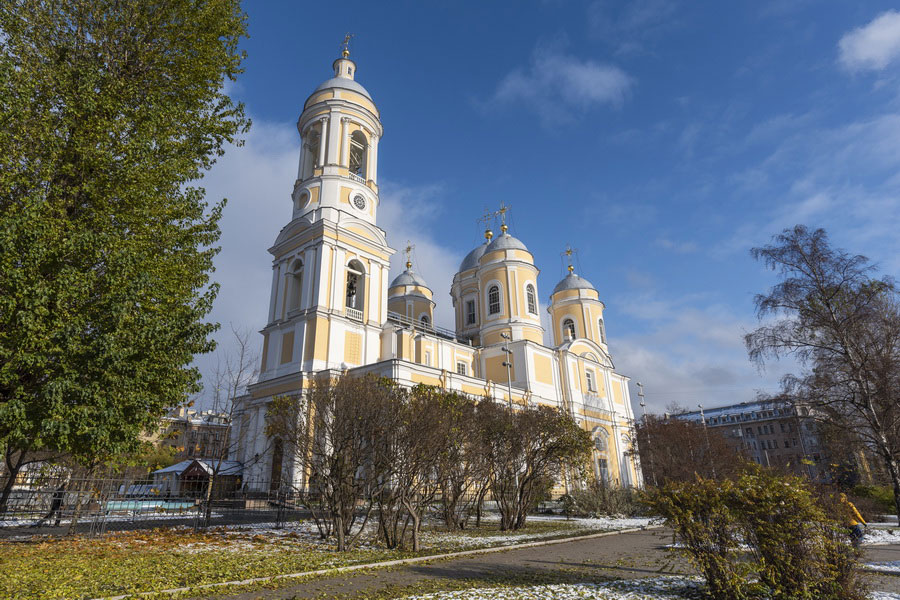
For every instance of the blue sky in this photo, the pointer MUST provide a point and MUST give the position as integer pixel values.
(661, 139)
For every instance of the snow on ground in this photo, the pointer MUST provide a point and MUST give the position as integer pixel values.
(892, 566)
(658, 588)
(881, 537)
(480, 538)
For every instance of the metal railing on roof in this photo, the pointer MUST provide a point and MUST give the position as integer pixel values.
(427, 327)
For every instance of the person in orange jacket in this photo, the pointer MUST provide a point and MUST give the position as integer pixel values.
(854, 521)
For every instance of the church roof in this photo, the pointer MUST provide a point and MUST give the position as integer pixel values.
(345, 83)
(472, 258)
(506, 242)
(408, 278)
(573, 282)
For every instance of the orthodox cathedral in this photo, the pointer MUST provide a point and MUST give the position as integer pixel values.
(334, 309)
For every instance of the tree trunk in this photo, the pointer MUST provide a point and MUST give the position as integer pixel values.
(13, 467)
(339, 527)
(895, 480)
(207, 507)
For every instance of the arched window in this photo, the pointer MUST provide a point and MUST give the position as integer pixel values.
(311, 151)
(494, 300)
(424, 320)
(295, 284)
(358, 151)
(531, 298)
(568, 329)
(602, 328)
(355, 285)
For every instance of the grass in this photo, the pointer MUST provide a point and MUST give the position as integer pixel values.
(151, 560)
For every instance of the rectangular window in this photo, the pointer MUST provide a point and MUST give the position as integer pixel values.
(589, 376)
(461, 368)
(759, 429)
(749, 431)
(787, 443)
(470, 312)
(428, 358)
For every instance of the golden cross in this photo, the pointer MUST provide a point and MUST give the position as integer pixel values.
(569, 252)
(345, 45)
(409, 248)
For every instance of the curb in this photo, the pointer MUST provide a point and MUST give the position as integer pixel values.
(387, 563)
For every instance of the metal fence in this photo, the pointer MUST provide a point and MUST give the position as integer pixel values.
(60, 503)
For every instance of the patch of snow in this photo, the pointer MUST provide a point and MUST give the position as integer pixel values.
(881, 537)
(892, 566)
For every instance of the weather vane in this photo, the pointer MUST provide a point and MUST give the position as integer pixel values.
(409, 248)
(345, 45)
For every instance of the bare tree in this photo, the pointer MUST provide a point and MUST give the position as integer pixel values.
(336, 433)
(236, 369)
(528, 449)
(422, 430)
(680, 450)
(843, 325)
(463, 469)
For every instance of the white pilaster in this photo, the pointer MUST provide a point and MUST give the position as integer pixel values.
(334, 140)
(345, 147)
(323, 138)
(373, 160)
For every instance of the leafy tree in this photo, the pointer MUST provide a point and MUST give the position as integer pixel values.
(110, 108)
(842, 324)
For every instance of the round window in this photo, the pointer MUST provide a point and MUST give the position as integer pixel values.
(359, 201)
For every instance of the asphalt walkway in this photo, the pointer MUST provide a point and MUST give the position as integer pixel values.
(629, 555)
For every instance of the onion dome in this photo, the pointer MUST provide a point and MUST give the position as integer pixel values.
(506, 242)
(472, 258)
(573, 282)
(407, 277)
(343, 83)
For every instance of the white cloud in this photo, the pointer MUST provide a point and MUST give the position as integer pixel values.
(873, 46)
(677, 247)
(410, 213)
(630, 26)
(556, 84)
(692, 352)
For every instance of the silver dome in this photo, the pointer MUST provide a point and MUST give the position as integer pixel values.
(506, 242)
(408, 278)
(345, 83)
(573, 282)
(472, 258)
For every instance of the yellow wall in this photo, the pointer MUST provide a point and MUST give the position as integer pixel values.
(543, 369)
(352, 348)
(495, 371)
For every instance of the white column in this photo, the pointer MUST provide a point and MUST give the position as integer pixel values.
(334, 132)
(373, 159)
(309, 273)
(323, 138)
(345, 149)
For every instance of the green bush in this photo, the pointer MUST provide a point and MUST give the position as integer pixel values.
(800, 552)
(797, 549)
(705, 522)
(881, 496)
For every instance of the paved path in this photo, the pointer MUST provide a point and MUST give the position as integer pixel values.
(629, 556)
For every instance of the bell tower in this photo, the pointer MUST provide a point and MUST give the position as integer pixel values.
(330, 262)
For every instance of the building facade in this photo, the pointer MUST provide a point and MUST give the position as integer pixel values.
(334, 309)
(194, 434)
(772, 433)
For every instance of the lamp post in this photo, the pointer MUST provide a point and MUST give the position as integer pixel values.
(706, 435)
(506, 363)
(643, 404)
